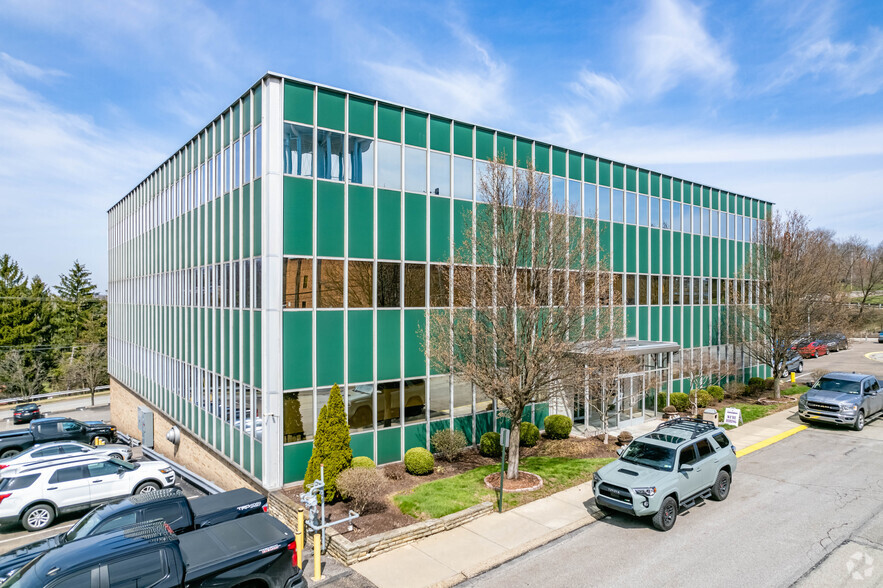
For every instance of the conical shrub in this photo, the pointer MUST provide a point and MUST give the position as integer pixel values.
(331, 445)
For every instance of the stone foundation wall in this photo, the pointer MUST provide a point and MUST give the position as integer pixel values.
(192, 452)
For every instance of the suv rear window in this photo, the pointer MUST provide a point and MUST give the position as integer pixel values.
(722, 440)
(18, 482)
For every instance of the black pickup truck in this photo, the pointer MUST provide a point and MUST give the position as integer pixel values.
(256, 550)
(55, 429)
(169, 505)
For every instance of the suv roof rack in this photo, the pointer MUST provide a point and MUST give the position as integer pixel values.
(56, 461)
(697, 426)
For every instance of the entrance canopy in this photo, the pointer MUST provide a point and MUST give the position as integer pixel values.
(632, 347)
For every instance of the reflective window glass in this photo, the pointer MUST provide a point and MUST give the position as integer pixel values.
(463, 178)
(237, 167)
(439, 397)
(706, 222)
(439, 285)
(631, 211)
(297, 416)
(697, 291)
(603, 203)
(559, 194)
(246, 158)
(388, 403)
(258, 152)
(329, 155)
(439, 174)
(654, 212)
(676, 290)
(630, 288)
(462, 286)
(590, 208)
(297, 283)
(462, 396)
(360, 409)
(329, 289)
(643, 291)
(676, 216)
(666, 290)
(388, 284)
(732, 223)
(665, 221)
(415, 400)
(415, 285)
(714, 223)
(754, 229)
(483, 402)
(389, 165)
(482, 176)
(574, 198)
(360, 284)
(616, 201)
(686, 218)
(361, 159)
(643, 210)
(415, 169)
(298, 150)
(228, 166)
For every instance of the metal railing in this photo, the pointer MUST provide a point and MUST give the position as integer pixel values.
(194, 480)
(49, 395)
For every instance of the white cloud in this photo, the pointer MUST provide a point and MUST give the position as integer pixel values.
(599, 91)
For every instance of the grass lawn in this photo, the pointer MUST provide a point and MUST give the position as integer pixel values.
(752, 412)
(795, 390)
(449, 495)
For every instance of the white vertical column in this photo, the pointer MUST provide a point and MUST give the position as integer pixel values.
(271, 285)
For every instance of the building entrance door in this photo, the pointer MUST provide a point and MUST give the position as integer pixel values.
(630, 399)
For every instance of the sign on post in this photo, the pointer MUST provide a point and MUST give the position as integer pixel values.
(504, 437)
(733, 416)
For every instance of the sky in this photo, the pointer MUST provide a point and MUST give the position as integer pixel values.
(777, 100)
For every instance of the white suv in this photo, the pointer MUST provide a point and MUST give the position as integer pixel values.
(37, 493)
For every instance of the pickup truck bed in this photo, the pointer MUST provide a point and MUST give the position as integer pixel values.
(226, 506)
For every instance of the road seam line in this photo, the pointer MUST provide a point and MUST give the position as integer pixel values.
(770, 441)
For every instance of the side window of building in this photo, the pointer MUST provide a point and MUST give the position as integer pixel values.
(688, 455)
(704, 448)
(722, 440)
(141, 571)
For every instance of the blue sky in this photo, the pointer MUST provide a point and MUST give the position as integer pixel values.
(782, 100)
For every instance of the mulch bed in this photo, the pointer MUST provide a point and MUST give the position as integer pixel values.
(523, 483)
(398, 480)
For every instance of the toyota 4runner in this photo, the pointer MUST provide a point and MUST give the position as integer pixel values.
(683, 461)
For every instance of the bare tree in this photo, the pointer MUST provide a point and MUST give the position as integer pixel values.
(89, 369)
(866, 268)
(703, 368)
(515, 316)
(790, 289)
(21, 375)
(602, 383)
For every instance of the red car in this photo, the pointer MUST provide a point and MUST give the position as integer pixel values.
(813, 349)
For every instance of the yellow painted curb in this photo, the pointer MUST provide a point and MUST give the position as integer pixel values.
(770, 441)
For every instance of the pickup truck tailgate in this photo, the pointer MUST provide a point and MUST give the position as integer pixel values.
(226, 506)
(233, 543)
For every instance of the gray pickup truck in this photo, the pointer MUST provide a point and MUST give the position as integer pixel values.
(842, 398)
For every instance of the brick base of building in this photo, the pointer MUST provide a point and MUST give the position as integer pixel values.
(192, 452)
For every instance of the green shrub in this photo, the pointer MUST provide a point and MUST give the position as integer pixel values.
(681, 401)
(362, 462)
(419, 461)
(703, 398)
(489, 446)
(331, 445)
(363, 487)
(736, 389)
(769, 383)
(755, 385)
(557, 426)
(449, 444)
(529, 434)
(716, 392)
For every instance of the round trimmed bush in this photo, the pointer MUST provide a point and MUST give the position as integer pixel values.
(489, 446)
(769, 383)
(716, 392)
(557, 426)
(529, 434)
(448, 444)
(755, 385)
(703, 398)
(419, 462)
(362, 461)
(681, 401)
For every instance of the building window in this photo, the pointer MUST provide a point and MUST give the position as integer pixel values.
(439, 397)
(439, 174)
(360, 409)
(559, 195)
(388, 414)
(415, 285)
(616, 201)
(462, 396)
(329, 289)
(258, 151)
(590, 207)
(631, 208)
(415, 170)
(388, 284)
(643, 291)
(298, 150)
(360, 284)
(329, 155)
(439, 285)
(604, 203)
(666, 214)
(462, 287)
(462, 178)
(389, 165)
(654, 212)
(246, 158)
(297, 416)
(361, 156)
(630, 289)
(574, 198)
(643, 210)
(297, 292)
(415, 400)
(676, 216)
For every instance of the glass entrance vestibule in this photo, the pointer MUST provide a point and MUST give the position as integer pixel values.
(640, 393)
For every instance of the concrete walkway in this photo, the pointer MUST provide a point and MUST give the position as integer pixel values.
(451, 557)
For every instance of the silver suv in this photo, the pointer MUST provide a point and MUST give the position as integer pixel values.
(680, 463)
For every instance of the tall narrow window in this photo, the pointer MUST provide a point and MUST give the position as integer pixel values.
(246, 158)
(329, 289)
(415, 170)
(298, 150)
(360, 284)
(389, 165)
(415, 285)
(258, 151)
(590, 205)
(463, 178)
(361, 158)
(237, 165)
(388, 284)
(329, 155)
(439, 174)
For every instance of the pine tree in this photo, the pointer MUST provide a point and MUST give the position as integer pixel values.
(18, 309)
(331, 445)
(76, 303)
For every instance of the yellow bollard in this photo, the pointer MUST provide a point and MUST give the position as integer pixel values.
(299, 537)
(317, 554)
(793, 379)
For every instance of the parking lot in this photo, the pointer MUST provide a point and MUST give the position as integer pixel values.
(854, 359)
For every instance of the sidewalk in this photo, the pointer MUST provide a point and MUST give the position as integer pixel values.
(451, 557)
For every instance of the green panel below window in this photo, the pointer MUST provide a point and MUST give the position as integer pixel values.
(329, 219)
(484, 423)
(388, 337)
(415, 436)
(464, 424)
(360, 337)
(389, 445)
(415, 360)
(389, 223)
(297, 349)
(329, 347)
(294, 461)
(361, 222)
(362, 444)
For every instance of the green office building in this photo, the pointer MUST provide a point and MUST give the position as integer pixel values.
(301, 237)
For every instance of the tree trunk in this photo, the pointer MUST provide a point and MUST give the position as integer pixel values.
(777, 384)
(514, 450)
(92, 391)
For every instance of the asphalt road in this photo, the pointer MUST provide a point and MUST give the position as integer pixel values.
(79, 408)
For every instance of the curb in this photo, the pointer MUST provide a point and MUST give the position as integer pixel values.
(770, 441)
(594, 515)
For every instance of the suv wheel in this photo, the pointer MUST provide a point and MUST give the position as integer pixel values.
(665, 518)
(9, 453)
(721, 488)
(799, 369)
(859, 421)
(37, 517)
(147, 487)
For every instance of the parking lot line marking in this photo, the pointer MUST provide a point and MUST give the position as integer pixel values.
(770, 441)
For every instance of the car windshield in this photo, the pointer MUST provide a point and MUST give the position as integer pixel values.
(85, 525)
(836, 385)
(650, 455)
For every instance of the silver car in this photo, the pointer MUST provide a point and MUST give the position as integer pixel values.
(61, 451)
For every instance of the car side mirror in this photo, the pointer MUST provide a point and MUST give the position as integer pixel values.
(121, 470)
(686, 468)
(619, 451)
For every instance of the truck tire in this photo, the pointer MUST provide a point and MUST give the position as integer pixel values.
(99, 440)
(859, 421)
(721, 488)
(145, 487)
(667, 514)
(37, 517)
(11, 452)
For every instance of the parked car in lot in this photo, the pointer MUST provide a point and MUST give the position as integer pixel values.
(168, 504)
(880, 337)
(834, 341)
(38, 493)
(683, 461)
(252, 551)
(61, 450)
(813, 348)
(56, 429)
(794, 364)
(843, 399)
(25, 413)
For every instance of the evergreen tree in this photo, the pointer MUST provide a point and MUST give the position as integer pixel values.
(19, 310)
(76, 304)
(331, 445)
